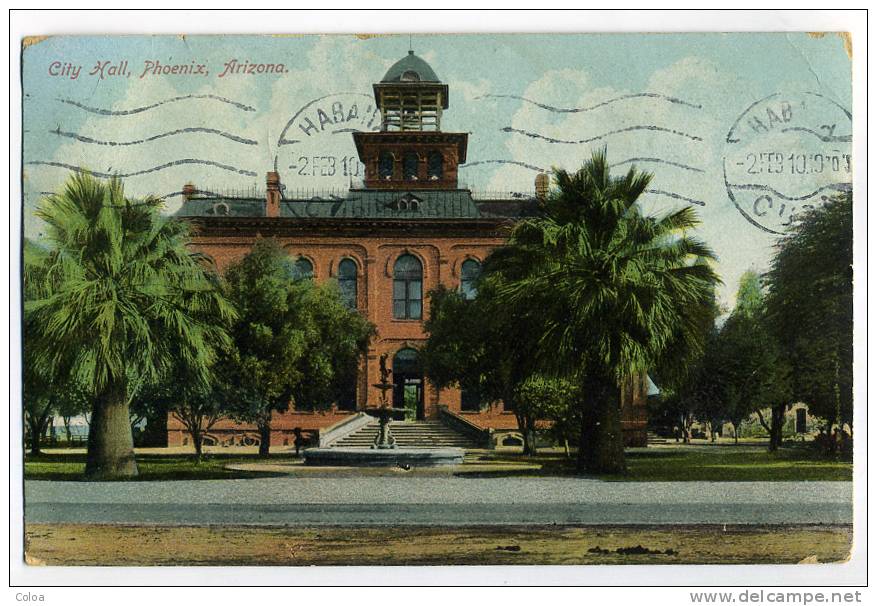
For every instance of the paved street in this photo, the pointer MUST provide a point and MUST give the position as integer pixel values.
(393, 500)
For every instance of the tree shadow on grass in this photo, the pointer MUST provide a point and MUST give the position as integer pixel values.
(152, 467)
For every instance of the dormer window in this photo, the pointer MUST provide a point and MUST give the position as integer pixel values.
(407, 202)
(410, 76)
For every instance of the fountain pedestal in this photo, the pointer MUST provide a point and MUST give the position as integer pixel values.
(385, 438)
(383, 412)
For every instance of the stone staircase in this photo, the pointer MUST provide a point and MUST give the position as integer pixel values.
(409, 434)
(654, 438)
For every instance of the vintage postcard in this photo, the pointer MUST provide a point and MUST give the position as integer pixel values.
(438, 299)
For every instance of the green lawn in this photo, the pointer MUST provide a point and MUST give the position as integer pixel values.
(71, 467)
(728, 464)
(709, 463)
(682, 463)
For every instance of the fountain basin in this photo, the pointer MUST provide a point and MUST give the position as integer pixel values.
(383, 457)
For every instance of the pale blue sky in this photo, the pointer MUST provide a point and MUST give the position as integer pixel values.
(695, 85)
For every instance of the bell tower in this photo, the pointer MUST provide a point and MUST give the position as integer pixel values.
(411, 151)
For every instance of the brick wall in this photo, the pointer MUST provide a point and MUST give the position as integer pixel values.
(375, 253)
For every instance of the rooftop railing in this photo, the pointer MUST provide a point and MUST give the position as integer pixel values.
(338, 193)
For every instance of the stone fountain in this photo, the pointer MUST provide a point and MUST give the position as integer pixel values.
(384, 412)
(383, 452)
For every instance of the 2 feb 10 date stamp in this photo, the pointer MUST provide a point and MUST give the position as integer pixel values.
(785, 154)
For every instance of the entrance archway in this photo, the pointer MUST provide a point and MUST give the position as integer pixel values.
(407, 385)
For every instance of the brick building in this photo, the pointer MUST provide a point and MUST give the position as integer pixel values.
(407, 230)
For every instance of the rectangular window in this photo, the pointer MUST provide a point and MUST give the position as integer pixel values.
(399, 300)
(347, 401)
(469, 400)
(407, 299)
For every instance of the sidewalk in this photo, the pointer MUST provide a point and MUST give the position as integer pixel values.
(440, 500)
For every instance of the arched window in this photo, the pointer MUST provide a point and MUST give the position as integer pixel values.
(469, 273)
(407, 288)
(385, 166)
(409, 166)
(302, 269)
(347, 282)
(435, 166)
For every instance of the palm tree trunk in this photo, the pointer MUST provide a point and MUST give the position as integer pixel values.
(588, 399)
(110, 440)
(607, 455)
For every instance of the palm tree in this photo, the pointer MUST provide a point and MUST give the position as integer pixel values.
(114, 304)
(617, 292)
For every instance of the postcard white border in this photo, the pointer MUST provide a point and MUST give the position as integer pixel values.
(192, 22)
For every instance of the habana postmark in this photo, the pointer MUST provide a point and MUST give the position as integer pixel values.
(787, 153)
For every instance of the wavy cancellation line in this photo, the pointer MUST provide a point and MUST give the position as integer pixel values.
(675, 196)
(824, 138)
(575, 110)
(107, 175)
(172, 133)
(759, 187)
(538, 169)
(658, 161)
(127, 112)
(657, 192)
(628, 161)
(647, 127)
(163, 196)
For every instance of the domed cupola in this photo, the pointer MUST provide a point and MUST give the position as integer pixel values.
(411, 151)
(410, 68)
(410, 96)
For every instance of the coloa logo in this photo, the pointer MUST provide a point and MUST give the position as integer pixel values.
(30, 597)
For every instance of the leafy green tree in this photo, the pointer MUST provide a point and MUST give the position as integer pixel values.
(72, 402)
(756, 375)
(38, 406)
(37, 400)
(194, 403)
(295, 342)
(118, 300)
(689, 374)
(615, 289)
(704, 391)
(482, 347)
(810, 307)
(551, 399)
